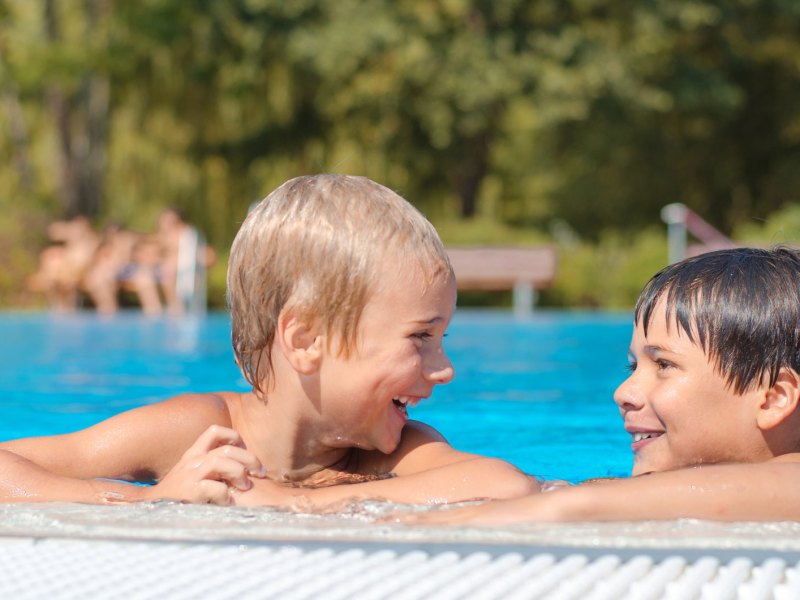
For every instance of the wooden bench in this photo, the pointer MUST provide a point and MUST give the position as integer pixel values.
(523, 270)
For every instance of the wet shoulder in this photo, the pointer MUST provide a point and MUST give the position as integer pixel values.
(203, 409)
(416, 435)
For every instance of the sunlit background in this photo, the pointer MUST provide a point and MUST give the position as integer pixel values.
(562, 122)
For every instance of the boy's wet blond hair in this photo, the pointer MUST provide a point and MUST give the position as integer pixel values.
(318, 245)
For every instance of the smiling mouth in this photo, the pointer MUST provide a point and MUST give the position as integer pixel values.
(403, 402)
(639, 436)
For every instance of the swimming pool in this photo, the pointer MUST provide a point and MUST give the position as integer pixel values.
(534, 391)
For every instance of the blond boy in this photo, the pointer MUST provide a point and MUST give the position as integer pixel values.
(340, 294)
(711, 404)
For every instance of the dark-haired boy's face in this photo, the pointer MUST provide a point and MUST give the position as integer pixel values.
(678, 409)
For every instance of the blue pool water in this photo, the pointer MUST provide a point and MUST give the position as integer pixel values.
(537, 392)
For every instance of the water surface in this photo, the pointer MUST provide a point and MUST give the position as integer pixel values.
(536, 392)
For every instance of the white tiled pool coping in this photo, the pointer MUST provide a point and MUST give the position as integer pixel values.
(169, 551)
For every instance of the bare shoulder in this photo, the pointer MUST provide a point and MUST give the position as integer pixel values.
(144, 441)
(421, 443)
(417, 433)
(424, 452)
(177, 422)
(421, 448)
(212, 408)
(191, 410)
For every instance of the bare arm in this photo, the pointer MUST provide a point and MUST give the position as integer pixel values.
(184, 443)
(476, 478)
(427, 470)
(24, 481)
(734, 492)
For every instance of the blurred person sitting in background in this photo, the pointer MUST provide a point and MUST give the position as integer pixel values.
(161, 260)
(63, 264)
(103, 265)
(114, 256)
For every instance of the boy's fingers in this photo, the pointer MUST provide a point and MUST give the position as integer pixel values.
(213, 492)
(229, 471)
(216, 436)
(245, 458)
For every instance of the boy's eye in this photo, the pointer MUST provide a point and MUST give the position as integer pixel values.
(662, 364)
(631, 366)
(422, 335)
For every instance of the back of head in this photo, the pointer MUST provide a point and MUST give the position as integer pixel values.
(318, 244)
(742, 306)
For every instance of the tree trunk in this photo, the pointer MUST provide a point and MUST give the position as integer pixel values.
(470, 173)
(81, 122)
(96, 94)
(19, 138)
(59, 103)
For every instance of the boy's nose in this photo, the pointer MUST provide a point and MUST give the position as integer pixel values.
(628, 396)
(439, 369)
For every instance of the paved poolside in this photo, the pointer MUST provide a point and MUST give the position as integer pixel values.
(168, 550)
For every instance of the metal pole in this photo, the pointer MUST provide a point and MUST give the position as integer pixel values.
(674, 215)
(524, 298)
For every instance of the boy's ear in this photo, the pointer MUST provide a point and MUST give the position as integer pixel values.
(299, 342)
(780, 401)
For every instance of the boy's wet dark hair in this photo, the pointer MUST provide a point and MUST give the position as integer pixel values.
(742, 306)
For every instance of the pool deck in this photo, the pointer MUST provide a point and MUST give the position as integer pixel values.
(167, 550)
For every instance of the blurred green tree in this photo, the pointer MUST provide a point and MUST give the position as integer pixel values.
(554, 116)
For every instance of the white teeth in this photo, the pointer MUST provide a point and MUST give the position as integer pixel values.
(637, 437)
(406, 401)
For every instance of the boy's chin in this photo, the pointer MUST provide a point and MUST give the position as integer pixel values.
(389, 445)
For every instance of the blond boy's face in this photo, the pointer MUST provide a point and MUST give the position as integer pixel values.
(398, 361)
(678, 409)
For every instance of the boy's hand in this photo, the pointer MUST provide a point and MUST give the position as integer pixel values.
(216, 464)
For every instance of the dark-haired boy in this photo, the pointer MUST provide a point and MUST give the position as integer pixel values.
(711, 403)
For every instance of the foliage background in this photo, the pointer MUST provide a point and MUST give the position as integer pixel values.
(569, 122)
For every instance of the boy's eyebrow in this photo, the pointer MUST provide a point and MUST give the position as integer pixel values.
(652, 349)
(432, 321)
